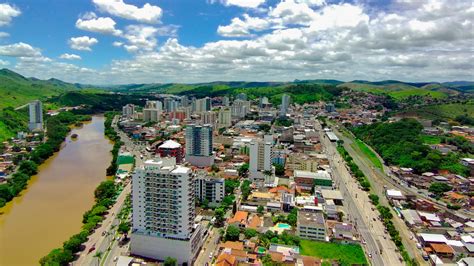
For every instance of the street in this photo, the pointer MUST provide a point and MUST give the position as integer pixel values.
(360, 213)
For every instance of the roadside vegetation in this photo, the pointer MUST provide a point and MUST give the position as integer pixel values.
(401, 143)
(369, 154)
(385, 213)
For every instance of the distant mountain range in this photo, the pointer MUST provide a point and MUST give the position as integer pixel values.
(16, 89)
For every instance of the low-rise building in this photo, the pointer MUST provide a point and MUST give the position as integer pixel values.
(209, 188)
(311, 225)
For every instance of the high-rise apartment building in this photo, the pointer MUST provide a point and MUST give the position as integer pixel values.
(128, 110)
(209, 188)
(36, 115)
(152, 111)
(261, 159)
(202, 105)
(285, 103)
(209, 117)
(224, 118)
(199, 145)
(240, 108)
(163, 196)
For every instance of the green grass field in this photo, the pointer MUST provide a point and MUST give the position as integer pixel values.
(347, 254)
(369, 153)
(397, 91)
(442, 111)
(428, 139)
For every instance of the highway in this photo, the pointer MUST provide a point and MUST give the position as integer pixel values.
(359, 208)
(378, 184)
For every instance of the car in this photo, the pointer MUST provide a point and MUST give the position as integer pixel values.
(374, 219)
(370, 255)
(210, 255)
(115, 258)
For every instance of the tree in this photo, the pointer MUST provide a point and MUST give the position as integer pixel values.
(215, 168)
(279, 169)
(124, 227)
(106, 190)
(169, 261)
(249, 233)
(28, 167)
(374, 198)
(365, 184)
(439, 188)
(219, 214)
(260, 209)
(75, 242)
(292, 218)
(243, 170)
(232, 233)
(57, 256)
(5, 192)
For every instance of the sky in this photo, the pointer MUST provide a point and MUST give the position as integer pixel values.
(188, 41)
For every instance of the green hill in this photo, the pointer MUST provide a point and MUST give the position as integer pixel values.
(441, 111)
(16, 90)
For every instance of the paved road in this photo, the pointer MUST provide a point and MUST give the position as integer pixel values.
(360, 212)
(210, 246)
(102, 242)
(378, 184)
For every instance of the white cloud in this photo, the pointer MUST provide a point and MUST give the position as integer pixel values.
(19, 50)
(70, 56)
(296, 39)
(241, 28)
(4, 63)
(83, 43)
(4, 34)
(7, 13)
(103, 25)
(117, 44)
(312, 2)
(240, 3)
(146, 14)
(140, 38)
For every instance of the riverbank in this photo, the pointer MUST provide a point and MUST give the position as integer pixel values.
(57, 128)
(57, 197)
(105, 197)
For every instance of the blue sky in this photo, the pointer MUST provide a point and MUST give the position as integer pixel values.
(124, 41)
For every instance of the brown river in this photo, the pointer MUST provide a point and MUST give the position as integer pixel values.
(50, 210)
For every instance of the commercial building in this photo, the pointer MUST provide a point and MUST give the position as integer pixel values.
(152, 111)
(163, 212)
(128, 110)
(307, 180)
(209, 188)
(285, 103)
(311, 225)
(171, 148)
(199, 145)
(36, 115)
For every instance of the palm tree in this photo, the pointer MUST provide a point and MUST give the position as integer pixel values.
(98, 255)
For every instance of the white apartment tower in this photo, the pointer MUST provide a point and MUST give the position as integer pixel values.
(128, 110)
(36, 115)
(199, 142)
(209, 188)
(285, 103)
(163, 196)
(261, 154)
(152, 111)
(224, 118)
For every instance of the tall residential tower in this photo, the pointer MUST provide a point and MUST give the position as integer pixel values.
(163, 196)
